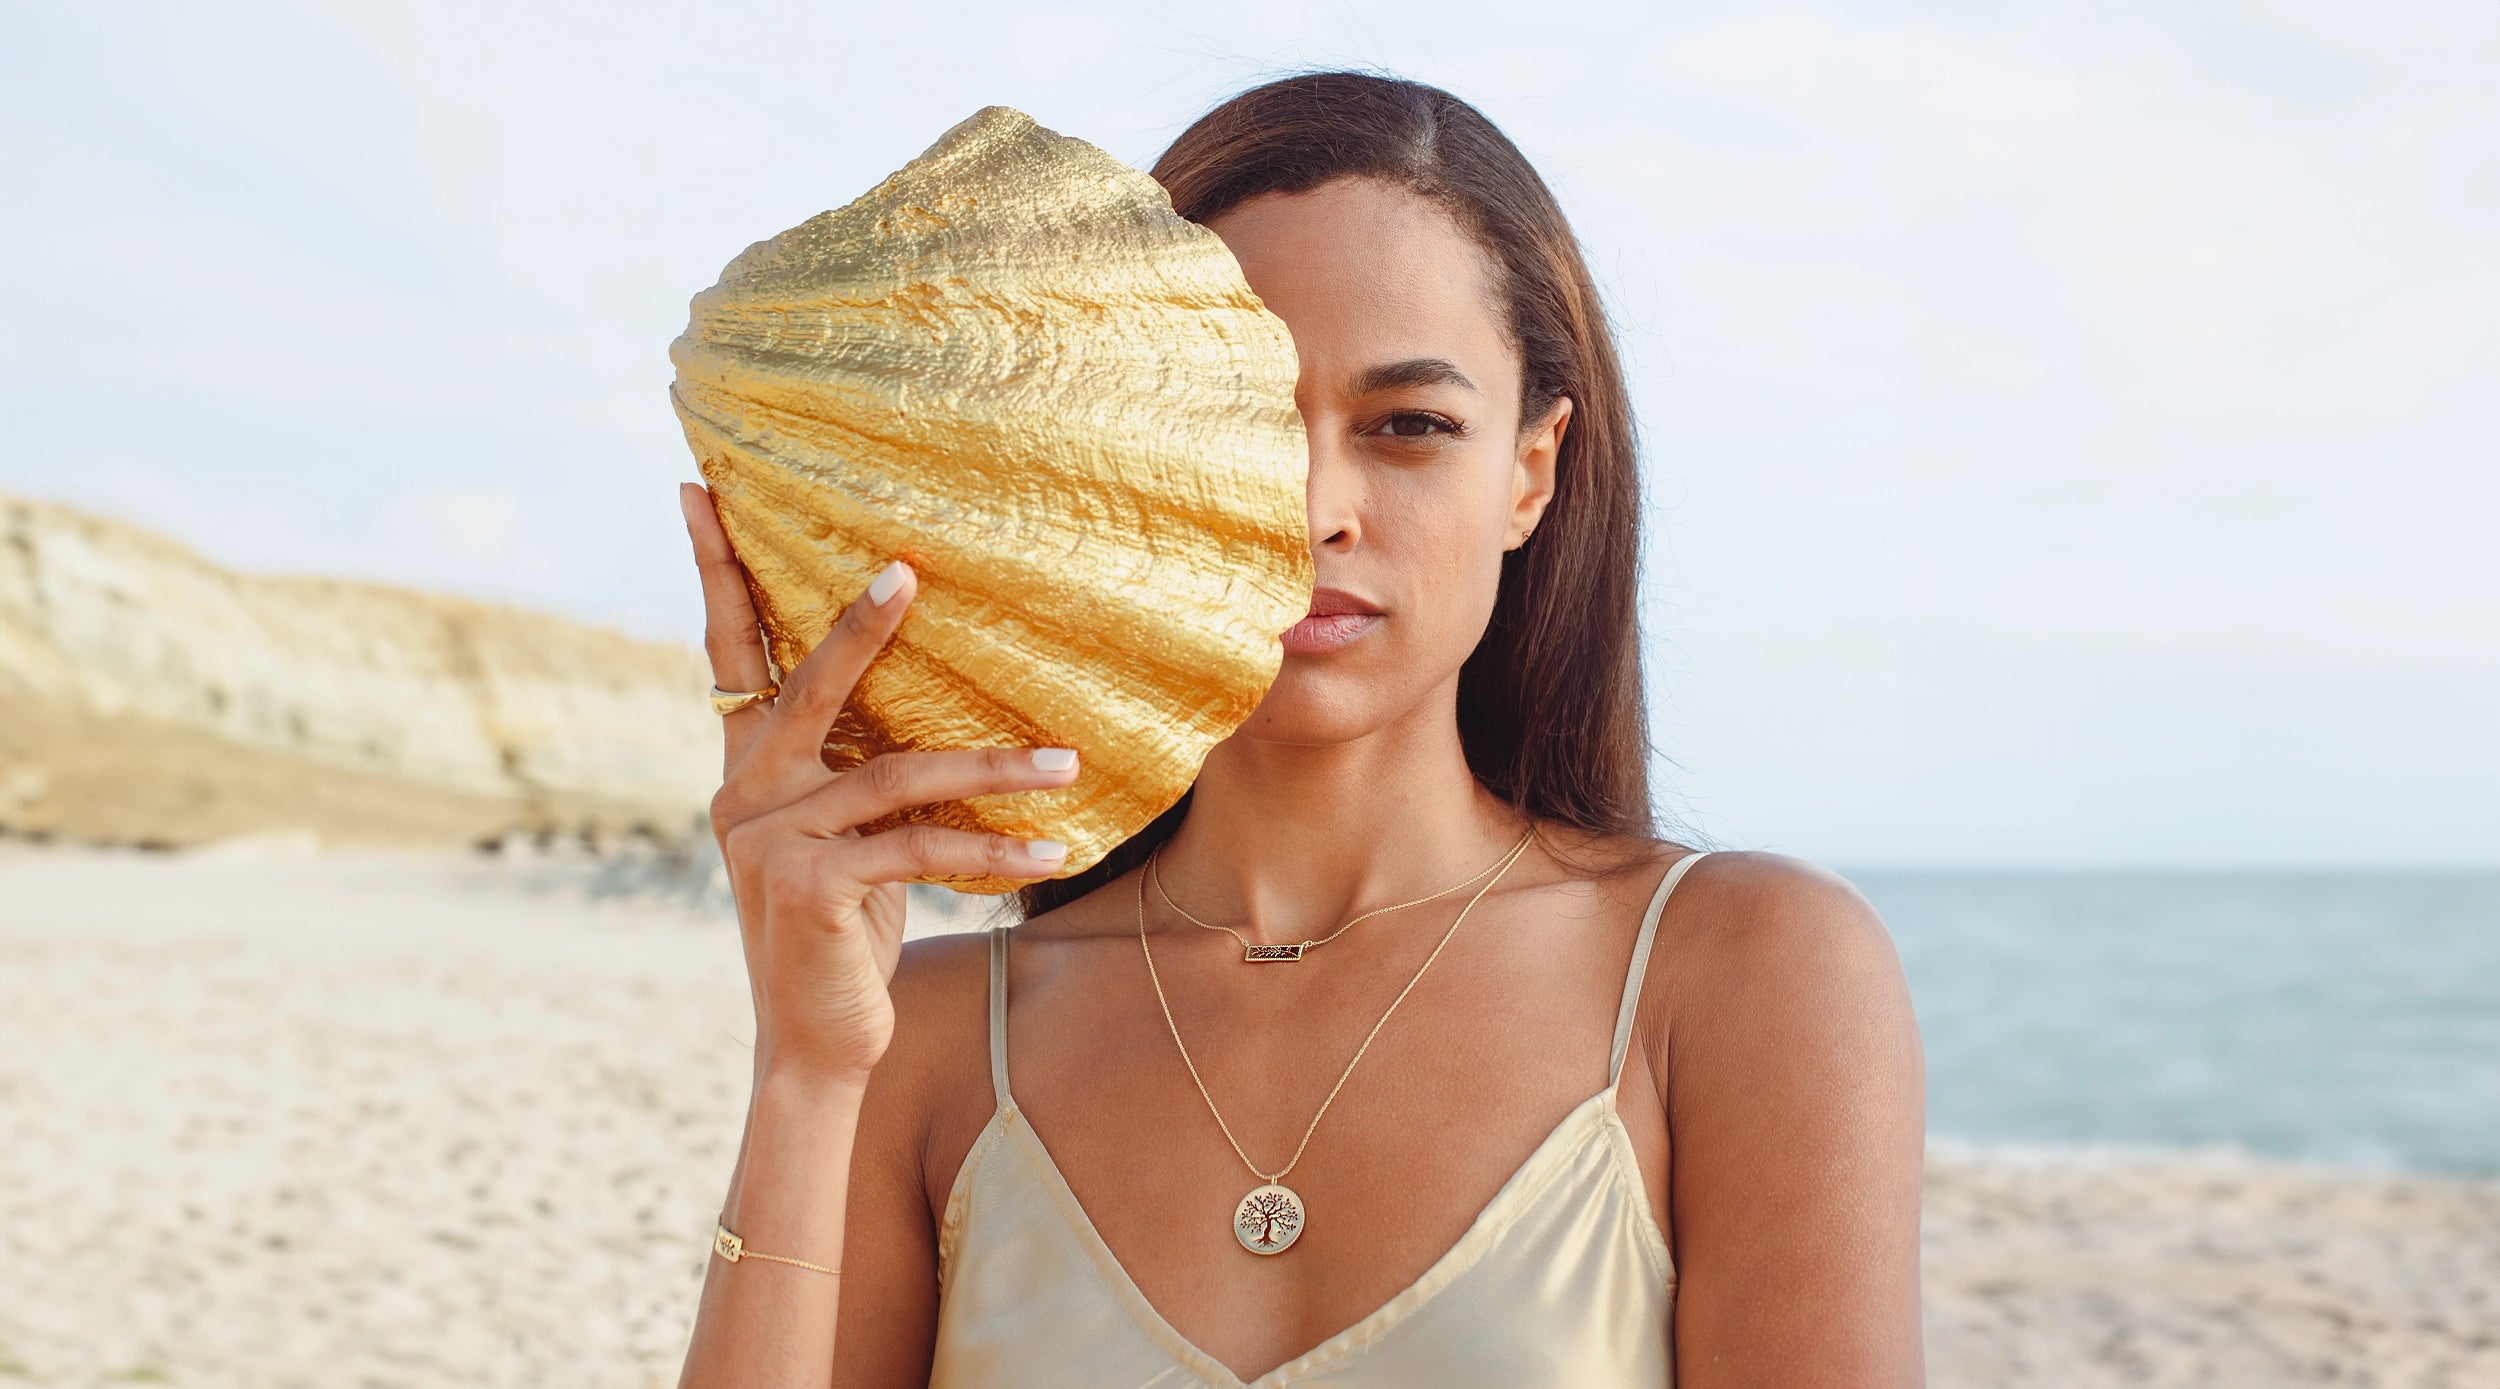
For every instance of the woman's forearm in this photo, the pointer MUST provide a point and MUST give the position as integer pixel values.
(763, 1325)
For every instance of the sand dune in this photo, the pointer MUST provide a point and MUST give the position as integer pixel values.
(280, 1121)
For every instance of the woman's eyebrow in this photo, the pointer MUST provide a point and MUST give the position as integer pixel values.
(1414, 371)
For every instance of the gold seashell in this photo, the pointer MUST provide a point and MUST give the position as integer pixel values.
(1012, 365)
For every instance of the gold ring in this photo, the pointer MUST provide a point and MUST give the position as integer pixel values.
(728, 702)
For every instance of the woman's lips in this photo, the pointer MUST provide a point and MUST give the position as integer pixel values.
(1327, 632)
(1336, 618)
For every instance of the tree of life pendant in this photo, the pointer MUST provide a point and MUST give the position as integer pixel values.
(1260, 954)
(1268, 1220)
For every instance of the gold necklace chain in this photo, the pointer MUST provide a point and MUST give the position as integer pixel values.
(1278, 1175)
(1254, 952)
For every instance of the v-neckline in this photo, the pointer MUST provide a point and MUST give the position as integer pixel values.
(1524, 1181)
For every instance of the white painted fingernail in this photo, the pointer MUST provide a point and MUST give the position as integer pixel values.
(1046, 849)
(888, 579)
(1054, 759)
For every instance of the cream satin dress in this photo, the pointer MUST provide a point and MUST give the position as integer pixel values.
(1563, 1279)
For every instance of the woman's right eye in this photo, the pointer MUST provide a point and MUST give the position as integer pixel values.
(1417, 424)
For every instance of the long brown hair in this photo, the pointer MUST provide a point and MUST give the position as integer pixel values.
(1550, 705)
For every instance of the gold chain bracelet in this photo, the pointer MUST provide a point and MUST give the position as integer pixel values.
(732, 1248)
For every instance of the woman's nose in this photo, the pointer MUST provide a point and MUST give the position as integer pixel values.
(1335, 497)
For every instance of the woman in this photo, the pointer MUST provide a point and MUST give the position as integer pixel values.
(1602, 1113)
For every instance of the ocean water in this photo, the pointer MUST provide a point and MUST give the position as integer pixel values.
(2350, 1019)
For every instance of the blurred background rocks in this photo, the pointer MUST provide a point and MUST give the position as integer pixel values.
(151, 698)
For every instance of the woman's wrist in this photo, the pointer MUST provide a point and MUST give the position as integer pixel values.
(795, 1163)
(781, 1081)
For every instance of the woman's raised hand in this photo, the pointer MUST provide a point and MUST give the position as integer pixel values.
(820, 906)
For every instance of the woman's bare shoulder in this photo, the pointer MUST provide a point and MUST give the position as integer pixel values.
(1747, 912)
(930, 1093)
(941, 966)
(941, 1007)
(1761, 956)
(1778, 964)
(941, 991)
(1794, 1086)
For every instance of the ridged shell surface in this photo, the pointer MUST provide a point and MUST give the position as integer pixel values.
(1015, 367)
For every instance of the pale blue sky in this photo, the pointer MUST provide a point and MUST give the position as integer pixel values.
(2070, 428)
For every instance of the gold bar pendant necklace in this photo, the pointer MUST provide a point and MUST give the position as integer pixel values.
(1256, 954)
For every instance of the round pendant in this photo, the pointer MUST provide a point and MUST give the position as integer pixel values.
(1268, 1220)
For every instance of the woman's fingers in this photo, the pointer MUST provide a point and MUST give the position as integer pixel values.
(899, 780)
(920, 851)
(892, 782)
(730, 634)
(813, 693)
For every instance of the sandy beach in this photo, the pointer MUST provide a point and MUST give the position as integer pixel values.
(273, 1118)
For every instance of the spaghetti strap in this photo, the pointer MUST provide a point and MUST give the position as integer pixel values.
(998, 1014)
(1639, 968)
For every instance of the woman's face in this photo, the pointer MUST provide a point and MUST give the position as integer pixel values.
(1422, 473)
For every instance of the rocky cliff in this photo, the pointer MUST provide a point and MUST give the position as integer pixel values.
(147, 695)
